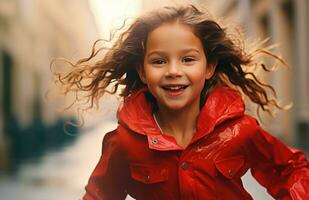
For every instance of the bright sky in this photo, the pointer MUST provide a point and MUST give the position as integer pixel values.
(110, 14)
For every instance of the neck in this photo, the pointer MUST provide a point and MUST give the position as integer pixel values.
(180, 124)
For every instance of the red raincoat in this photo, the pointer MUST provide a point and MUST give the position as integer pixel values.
(137, 159)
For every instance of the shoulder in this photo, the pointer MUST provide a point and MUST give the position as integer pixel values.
(111, 145)
(122, 139)
(252, 135)
(112, 156)
(243, 122)
(252, 127)
(110, 138)
(242, 128)
(249, 122)
(116, 136)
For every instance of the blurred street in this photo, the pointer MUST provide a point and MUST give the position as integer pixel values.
(59, 174)
(63, 174)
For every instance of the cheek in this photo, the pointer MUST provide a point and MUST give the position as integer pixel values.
(199, 75)
(152, 76)
(198, 79)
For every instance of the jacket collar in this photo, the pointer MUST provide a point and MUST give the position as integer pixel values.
(135, 114)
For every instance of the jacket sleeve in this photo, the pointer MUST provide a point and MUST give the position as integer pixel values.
(107, 181)
(284, 171)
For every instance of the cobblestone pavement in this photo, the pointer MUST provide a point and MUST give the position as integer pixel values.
(63, 174)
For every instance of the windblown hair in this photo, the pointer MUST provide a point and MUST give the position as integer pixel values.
(119, 65)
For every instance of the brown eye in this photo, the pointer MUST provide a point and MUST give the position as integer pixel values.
(188, 59)
(158, 62)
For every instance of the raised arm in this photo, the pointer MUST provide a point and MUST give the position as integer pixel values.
(284, 171)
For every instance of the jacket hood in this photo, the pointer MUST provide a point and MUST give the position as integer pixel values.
(135, 113)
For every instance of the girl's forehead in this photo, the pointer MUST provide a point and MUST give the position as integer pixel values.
(173, 36)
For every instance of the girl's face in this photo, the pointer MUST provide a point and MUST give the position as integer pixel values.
(175, 67)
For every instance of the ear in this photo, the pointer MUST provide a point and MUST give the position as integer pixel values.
(141, 73)
(210, 70)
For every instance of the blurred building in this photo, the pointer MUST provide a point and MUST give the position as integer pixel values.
(285, 22)
(33, 32)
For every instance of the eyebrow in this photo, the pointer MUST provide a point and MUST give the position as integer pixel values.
(163, 52)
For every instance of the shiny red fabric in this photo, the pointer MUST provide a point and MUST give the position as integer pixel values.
(137, 159)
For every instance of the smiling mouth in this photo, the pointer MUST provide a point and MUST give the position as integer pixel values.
(174, 88)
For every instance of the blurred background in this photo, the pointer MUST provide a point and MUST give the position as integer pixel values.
(39, 159)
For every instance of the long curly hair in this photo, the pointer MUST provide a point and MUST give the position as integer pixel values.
(119, 65)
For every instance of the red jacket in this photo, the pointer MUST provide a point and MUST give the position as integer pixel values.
(137, 159)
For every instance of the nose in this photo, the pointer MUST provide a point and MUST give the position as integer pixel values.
(173, 70)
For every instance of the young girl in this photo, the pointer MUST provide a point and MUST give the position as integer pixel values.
(182, 132)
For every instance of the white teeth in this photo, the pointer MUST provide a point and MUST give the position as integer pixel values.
(174, 87)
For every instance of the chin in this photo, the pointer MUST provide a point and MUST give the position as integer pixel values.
(176, 106)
